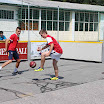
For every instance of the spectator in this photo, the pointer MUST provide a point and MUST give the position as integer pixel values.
(2, 37)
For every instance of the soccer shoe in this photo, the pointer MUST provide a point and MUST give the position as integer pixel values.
(54, 78)
(39, 69)
(15, 73)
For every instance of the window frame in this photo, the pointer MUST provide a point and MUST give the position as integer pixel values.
(32, 20)
(55, 20)
(87, 22)
(4, 16)
(44, 21)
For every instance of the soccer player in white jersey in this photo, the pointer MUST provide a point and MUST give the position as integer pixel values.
(55, 52)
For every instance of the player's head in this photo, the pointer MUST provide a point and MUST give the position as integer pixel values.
(18, 30)
(1, 33)
(43, 33)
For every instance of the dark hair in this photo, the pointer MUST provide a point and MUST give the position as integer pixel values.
(1, 32)
(18, 28)
(42, 31)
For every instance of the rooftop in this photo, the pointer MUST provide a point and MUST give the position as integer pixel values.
(55, 4)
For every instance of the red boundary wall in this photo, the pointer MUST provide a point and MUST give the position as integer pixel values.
(21, 48)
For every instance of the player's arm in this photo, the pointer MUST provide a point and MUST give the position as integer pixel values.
(51, 48)
(6, 45)
(46, 46)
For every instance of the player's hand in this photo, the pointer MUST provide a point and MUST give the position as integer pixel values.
(39, 49)
(5, 51)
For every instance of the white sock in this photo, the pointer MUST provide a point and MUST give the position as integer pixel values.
(0, 67)
(16, 69)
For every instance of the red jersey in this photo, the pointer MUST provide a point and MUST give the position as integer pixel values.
(56, 47)
(13, 42)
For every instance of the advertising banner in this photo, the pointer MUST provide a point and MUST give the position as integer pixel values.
(21, 48)
(34, 46)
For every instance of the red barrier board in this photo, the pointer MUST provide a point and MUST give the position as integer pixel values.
(21, 48)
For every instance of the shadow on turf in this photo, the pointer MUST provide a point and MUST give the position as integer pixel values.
(46, 86)
(20, 72)
(60, 77)
(80, 60)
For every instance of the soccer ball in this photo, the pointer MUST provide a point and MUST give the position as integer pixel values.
(32, 64)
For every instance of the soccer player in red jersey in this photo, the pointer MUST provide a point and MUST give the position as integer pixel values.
(55, 51)
(11, 49)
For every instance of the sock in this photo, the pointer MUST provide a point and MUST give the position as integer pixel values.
(0, 67)
(16, 69)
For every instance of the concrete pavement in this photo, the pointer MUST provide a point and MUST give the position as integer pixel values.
(80, 83)
(89, 93)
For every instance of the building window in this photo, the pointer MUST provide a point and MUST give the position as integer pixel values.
(43, 25)
(23, 19)
(6, 14)
(55, 16)
(54, 26)
(22, 24)
(81, 27)
(67, 26)
(86, 21)
(49, 20)
(76, 26)
(61, 26)
(35, 25)
(35, 14)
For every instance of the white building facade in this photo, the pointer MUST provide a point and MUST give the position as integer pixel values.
(64, 21)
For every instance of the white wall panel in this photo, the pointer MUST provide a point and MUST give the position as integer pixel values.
(82, 51)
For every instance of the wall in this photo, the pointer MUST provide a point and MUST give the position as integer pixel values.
(8, 26)
(90, 51)
(35, 36)
(86, 36)
(101, 27)
(63, 36)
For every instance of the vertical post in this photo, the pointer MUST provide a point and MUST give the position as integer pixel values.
(58, 26)
(40, 19)
(102, 34)
(73, 25)
(102, 52)
(21, 11)
(98, 26)
(29, 44)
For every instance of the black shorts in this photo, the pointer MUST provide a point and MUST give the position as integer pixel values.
(13, 54)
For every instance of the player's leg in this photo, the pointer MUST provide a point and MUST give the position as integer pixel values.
(10, 56)
(42, 62)
(55, 67)
(6, 63)
(18, 63)
(43, 59)
(16, 57)
(55, 56)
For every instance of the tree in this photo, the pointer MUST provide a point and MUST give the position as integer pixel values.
(92, 2)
